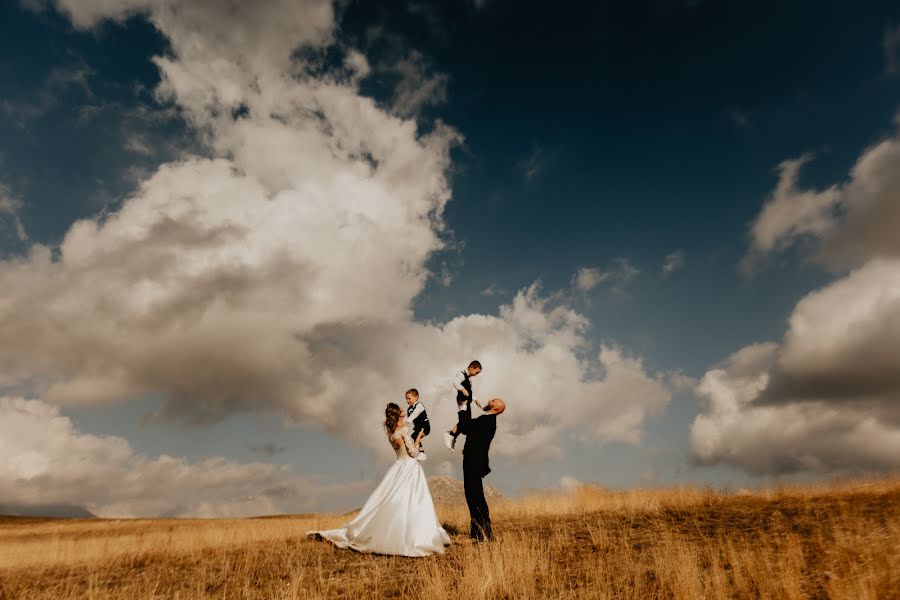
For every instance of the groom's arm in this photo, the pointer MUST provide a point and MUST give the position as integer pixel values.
(467, 424)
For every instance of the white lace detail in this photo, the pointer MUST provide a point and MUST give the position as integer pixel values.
(403, 443)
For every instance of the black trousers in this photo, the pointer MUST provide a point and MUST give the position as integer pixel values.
(480, 528)
(467, 409)
(415, 434)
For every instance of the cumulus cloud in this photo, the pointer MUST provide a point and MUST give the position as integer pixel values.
(849, 223)
(763, 439)
(842, 339)
(791, 213)
(278, 273)
(48, 460)
(825, 398)
(237, 260)
(871, 207)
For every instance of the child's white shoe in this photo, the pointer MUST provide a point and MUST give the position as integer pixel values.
(449, 441)
(421, 456)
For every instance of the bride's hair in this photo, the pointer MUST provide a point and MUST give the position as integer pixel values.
(392, 416)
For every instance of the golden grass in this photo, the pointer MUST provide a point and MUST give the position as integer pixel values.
(835, 540)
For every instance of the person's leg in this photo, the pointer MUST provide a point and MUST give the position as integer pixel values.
(483, 513)
(486, 516)
(472, 487)
(451, 435)
(480, 528)
(461, 408)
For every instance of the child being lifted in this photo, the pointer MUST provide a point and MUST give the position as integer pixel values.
(464, 398)
(417, 417)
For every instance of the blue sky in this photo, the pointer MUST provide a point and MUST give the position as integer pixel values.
(602, 141)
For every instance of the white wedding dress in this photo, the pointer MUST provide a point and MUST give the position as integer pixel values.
(398, 518)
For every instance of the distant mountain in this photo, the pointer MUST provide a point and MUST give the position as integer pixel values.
(447, 490)
(50, 511)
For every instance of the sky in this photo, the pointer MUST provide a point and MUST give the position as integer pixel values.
(230, 233)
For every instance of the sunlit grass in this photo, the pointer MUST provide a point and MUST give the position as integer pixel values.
(834, 540)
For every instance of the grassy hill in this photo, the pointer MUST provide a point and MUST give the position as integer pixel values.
(828, 541)
(450, 491)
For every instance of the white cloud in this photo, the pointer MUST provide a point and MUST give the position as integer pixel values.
(137, 144)
(775, 439)
(620, 273)
(791, 213)
(324, 212)
(624, 271)
(416, 88)
(825, 399)
(673, 262)
(871, 206)
(850, 222)
(493, 290)
(357, 63)
(567, 483)
(47, 460)
(842, 339)
(278, 275)
(587, 278)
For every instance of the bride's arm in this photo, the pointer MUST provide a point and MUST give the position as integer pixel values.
(409, 443)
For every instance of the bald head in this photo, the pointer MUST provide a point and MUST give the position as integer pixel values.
(496, 406)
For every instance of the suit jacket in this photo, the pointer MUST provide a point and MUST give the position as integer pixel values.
(479, 433)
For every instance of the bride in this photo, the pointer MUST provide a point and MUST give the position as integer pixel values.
(398, 518)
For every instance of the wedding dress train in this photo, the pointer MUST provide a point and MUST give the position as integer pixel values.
(399, 517)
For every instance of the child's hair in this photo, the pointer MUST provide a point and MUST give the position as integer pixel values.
(392, 414)
(412, 391)
(475, 365)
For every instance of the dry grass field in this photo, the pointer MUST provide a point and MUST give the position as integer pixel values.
(840, 540)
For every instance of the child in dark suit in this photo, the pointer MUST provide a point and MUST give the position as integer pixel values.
(464, 398)
(418, 417)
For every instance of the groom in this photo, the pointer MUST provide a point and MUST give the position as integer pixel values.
(479, 433)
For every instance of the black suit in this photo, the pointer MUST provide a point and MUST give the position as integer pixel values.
(479, 433)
